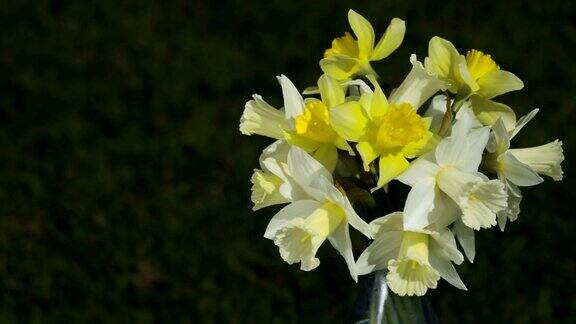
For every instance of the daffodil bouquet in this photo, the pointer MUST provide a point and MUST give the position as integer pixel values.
(343, 145)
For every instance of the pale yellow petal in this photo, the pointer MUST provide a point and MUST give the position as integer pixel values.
(340, 67)
(489, 111)
(349, 120)
(306, 144)
(498, 82)
(327, 155)
(364, 33)
(391, 40)
(330, 90)
(443, 57)
(379, 103)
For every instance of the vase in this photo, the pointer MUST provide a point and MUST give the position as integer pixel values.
(379, 305)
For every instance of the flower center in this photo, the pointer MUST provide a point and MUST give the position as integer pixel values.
(314, 123)
(479, 64)
(345, 45)
(399, 126)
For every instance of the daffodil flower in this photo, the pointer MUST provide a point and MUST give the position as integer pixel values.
(324, 212)
(475, 76)
(415, 260)
(520, 167)
(272, 184)
(476, 70)
(304, 123)
(390, 132)
(452, 172)
(349, 57)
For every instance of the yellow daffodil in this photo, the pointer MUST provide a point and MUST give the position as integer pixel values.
(475, 76)
(477, 70)
(389, 132)
(304, 123)
(416, 260)
(349, 57)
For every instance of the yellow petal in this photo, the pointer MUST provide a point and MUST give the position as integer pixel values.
(391, 40)
(330, 90)
(327, 155)
(340, 67)
(390, 167)
(368, 153)
(345, 45)
(349, 120)
(489, 111)
(364, 33)
(442, 57)
(498, 82)
(306, 144)
(379, 103)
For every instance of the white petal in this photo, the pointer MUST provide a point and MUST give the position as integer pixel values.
(477, 140)
(465, 237)
(297, 209)
(293, 102)
(451, 151)
(446, 270)
(376, 256)
(266, 190)
(305, 168)
(262, 119)
(499, 138)
(445, 211)
(489, 198)
(277, 151)
(523, 121)
(544, 159)
(418, 86)
(419, 169)
(340, 240)
(436, 111)
(445, 239)
(419, 204)
(517, 172)
(465, 121)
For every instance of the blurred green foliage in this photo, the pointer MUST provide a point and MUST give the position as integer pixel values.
(124, 182)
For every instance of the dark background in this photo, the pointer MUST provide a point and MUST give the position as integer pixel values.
(124, 181)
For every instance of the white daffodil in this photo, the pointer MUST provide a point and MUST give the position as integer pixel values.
(304, 123)
(349, 57)
(416, 260)
(273, 184)
(323, 212)
(520, 167)
(451, 173)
